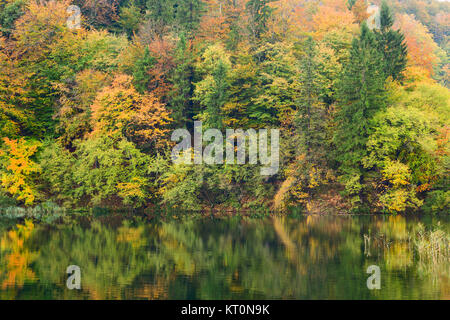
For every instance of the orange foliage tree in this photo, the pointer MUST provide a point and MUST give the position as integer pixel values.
(332, 15)
(359, 10)
(422, 50)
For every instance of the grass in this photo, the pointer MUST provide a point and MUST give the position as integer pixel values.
(432, 247)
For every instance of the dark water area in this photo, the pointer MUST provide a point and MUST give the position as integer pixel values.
(308, 257)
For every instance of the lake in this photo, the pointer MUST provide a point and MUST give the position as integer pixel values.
(307, 257)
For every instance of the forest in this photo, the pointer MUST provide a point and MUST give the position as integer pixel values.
(86, 113)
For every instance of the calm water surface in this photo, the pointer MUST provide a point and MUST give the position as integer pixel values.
(311, 257)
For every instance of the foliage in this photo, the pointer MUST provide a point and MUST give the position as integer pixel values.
(363, 115)
(120, 110)
(391, 44)
(105, 168)
(19, 170)
(223, 258)
(361, 94)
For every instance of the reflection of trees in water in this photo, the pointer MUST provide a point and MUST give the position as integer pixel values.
(15, 259)
(310, 257)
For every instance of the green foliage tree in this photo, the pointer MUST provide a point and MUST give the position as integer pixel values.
(182, 79)
(140, 70)
(361, 95)
(108, 169)
(259, 12)
(9, 13)
(182, 15)
(392, 44)
(212, 91)
(130, 18)
(310, 111)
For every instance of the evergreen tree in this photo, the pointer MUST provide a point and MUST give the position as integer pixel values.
(391, 44)
(350, 4)
(310, 145)
(218, 97)
(259, 13)
(310, 112)
(140, 71)
(182, 79)
(213, 91)
(161, 11)
(9, 13)
(361, 94)
(188, 14)
(182, 15)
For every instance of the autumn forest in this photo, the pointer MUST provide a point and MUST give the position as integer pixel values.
(362, 103)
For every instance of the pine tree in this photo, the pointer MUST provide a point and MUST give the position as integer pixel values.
(309, 115)
(213, 91)
(218, 96)
(182, 15)
(361, 94)
(140, 71)
(188, 14)
(259, 13)
(392, 44)
(311, 156)
(182, 79)
(161, 11)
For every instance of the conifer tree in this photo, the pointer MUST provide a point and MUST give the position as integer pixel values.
(212, 92)
(361, 94)
(161, 11)
(140, 71)
(188, 14)
(182, 79)
(182, 15)
(392, 44)
(309, 113)
(259, 12)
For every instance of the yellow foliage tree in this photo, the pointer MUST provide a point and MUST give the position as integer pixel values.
(400, 194)
(17, 177)
(120, 110)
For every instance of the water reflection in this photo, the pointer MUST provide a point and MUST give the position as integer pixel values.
(313, 257)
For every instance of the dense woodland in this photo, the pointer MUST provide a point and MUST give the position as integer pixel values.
(86, 114)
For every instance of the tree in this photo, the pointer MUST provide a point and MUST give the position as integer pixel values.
(181, 15)
(359, 9)
(180, 100)
(76, 96)
(361, 94)
(107, 168)
(130, 18)
(120, 111)
(308, 170)
(18, 169)
(332, 17)
(15, 119)
(309, 108)
(188, 14)
(276, 82)
(100, 13)
(397, 148)
(159, 75)
(9, 13)
(258, 12)
(213, 91)
(422, 50)
(34, 36)
(141, 68)
(391, 44)
(162, 13)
